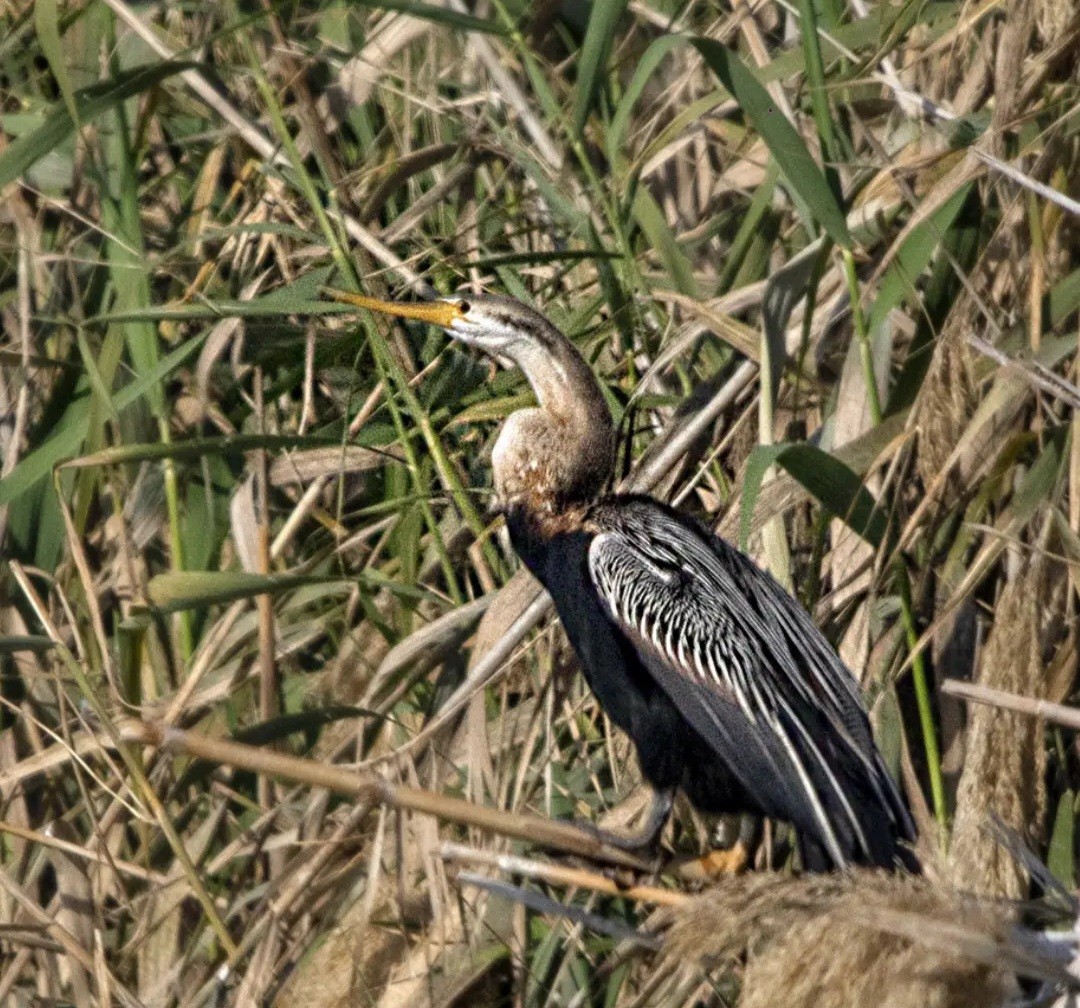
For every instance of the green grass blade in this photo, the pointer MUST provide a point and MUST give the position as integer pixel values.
(651, 220)
(836, 486)
(799, 168)
(592, 63)
(94, 376)
(67, 439)
(47, 24)
(196, 448)
(783, 292)
(647, 66)
(819, 98)
(1061, 858)
(912, 258)
(180, 590)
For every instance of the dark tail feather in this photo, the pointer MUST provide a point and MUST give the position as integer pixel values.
(815, 858)
(887, 835)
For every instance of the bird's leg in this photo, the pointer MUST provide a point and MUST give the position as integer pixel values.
(733, 859)
(659, 810)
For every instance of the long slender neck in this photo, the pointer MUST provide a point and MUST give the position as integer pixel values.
(562, 381)
(561, 454)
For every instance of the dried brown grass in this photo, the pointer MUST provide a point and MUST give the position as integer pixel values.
(827, 942)
(458, 167)
(947, 400)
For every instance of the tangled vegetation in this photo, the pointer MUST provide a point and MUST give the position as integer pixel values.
(823, 256)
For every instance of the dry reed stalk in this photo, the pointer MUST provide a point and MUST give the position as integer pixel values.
(371, 789)
(561, 875)
(1069, 717)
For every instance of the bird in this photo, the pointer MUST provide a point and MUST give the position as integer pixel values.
(727, 689)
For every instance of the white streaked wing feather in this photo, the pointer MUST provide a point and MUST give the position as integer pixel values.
(708, 624)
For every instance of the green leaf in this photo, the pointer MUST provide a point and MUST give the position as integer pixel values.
(646, 67)
(66, 440)
(129, 268)
(1063, 299)
(825, 477)
(783, 290)
(299, 298)
(757, 230)
(89, 104)
(912, 258)
(196, 448)
(1059, 858)
(494, 409)
(819, 96)
(197, 589)
(800, 169)
(651, 219)
(603, 18)
(1036, 486)
(879, 32)
(47, 24)
(93, 374)
(889, 729)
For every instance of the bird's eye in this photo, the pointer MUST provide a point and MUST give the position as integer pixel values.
(464, 307)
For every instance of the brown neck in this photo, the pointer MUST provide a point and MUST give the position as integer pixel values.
(554, 458)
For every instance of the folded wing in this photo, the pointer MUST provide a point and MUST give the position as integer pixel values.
(746, 667)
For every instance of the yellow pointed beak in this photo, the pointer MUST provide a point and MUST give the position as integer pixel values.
(440, 313)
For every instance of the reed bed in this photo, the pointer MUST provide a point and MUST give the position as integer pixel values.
(281, 720)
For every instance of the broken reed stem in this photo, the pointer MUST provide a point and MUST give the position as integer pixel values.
(517, 825)
(580, 878)
(1068, 717)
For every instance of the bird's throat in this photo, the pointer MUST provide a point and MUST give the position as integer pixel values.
(548, 468)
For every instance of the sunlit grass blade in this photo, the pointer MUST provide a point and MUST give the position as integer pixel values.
(592, 60)
(824, 476)
(196, 589)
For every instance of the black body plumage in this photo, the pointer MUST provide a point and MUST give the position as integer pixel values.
(719, 677)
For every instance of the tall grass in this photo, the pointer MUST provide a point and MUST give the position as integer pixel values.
(822, 257)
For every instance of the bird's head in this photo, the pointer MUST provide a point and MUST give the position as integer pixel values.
(568, 443)
(500, 326)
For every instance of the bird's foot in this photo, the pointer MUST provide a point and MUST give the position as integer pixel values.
(720, 863)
